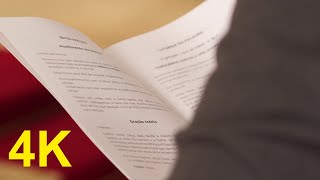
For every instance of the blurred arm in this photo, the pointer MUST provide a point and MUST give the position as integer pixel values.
(260, 117)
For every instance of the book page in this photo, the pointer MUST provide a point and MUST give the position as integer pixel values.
(175, 61)
(131, 126)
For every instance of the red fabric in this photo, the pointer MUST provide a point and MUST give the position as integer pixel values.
(23, 98)
(20, 92)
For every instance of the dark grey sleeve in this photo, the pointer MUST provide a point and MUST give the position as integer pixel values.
(260, 115)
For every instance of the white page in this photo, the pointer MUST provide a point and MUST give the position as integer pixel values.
(129, 125)
(175, 61)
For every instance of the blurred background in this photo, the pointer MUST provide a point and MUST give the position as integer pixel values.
(26, 105)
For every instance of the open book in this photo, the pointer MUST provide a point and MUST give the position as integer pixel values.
(131, 98)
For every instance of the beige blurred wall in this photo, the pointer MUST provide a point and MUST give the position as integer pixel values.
(104, 21)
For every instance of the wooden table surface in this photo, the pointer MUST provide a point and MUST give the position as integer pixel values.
(106, 22)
